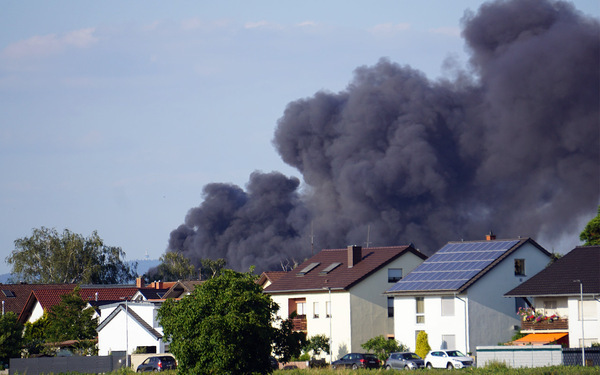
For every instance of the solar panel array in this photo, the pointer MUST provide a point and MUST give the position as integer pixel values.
(453, 266)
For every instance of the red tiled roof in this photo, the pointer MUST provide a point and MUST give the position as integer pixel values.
(271, 276)
(581, 263)
(341, 277)
(22, 292)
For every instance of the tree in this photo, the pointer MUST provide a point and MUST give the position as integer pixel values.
(174, 266)
(34, 337)
(50, 257)
(212, 268)
(11, 337)
(591, 233)
(317, 344)
(288, 343)
(422, 344)
(382, 347)
(222, 327)
(71, 320)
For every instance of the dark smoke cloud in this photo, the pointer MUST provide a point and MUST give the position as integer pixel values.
(511, 144)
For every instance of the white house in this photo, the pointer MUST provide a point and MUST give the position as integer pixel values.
(457, 295)
(127, 326)
(340, 293)
(554, 297)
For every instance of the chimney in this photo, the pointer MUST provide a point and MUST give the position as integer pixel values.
(139, 282)
(354, 255)
(490, 236)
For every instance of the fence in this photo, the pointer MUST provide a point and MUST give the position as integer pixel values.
(521, 356)
(56, 365)
(572, 356)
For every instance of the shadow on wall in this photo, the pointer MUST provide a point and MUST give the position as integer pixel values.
(342, 351)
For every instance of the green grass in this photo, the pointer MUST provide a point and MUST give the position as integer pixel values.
(555, 370)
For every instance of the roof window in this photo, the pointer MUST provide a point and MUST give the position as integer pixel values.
(308, 268)
(329, 268)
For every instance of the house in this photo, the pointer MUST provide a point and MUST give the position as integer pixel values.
(127, 326)
(457, 295)
(181, 289)
(554, 300)
(339, 293)
(268, 277)
(13, 297)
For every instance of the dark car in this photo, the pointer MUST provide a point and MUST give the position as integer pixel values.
(404, 361)
(158, 363)
(356, 361)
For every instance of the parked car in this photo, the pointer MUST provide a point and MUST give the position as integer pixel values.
(158, 363)
(447, 359)
(404, 361)
(356, 361)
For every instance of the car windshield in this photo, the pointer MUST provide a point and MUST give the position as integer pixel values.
(370, 356)
(411, 356)
(454, 353)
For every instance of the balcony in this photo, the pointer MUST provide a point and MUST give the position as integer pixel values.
(546, 325)
(299, 323)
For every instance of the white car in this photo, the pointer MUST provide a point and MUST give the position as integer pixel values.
(447, 359)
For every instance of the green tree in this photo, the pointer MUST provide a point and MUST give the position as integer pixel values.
(317, 344)
(212, 268)
(382, 347)
(288, 343)
(49, 257)
(71, 320)
(11, 337)
(34, 337)
(174, 266)
(222, 327)
(422, 344)
(591, 233)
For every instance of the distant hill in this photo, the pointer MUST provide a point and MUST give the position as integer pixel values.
(143, 265)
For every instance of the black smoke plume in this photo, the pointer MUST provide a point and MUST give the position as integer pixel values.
(510, 143)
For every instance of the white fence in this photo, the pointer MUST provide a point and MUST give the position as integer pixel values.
(520, 356)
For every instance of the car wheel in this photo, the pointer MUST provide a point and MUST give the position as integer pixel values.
(388, 367)
(429, 365)
(354, 366)
(449, 366)
(333, 367)
(406, 367)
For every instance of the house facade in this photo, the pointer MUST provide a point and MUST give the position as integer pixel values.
(562, 302)
(127, 326)
(339, 293)
(456, 296)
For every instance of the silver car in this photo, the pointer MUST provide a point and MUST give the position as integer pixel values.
(447, 359)
(404, 361)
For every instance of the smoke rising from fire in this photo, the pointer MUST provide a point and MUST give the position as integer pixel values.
(509, 144)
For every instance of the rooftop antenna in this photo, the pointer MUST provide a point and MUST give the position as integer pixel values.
(368, 236)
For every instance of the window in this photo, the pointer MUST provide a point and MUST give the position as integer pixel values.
(519, 267)
(448, 341)
(301, 308)
(420, 309)
(394, 274)
(390, 301)
(315, 309)
(447, 306)
(328, 309)
(520, 303)
(589, 310)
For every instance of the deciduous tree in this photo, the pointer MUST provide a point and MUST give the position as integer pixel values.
(49, 257)
(288, 343)
(222, 327)
(11, 337)
(174, 266)
(382, 347)
(591, 233)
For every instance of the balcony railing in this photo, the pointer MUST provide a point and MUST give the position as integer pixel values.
(546, 325)
(299, 323)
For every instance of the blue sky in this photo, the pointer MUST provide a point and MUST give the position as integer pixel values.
(115, 114)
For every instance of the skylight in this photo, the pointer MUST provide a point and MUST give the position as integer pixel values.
(329, 268)
(8, 293)
(308, 268)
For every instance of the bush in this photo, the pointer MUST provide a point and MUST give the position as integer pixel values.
(422, 344)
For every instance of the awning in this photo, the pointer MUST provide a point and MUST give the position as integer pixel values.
(542, 338)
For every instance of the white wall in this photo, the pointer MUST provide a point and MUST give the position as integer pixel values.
(591, 321)
(493, 317)
(123, 333)
(36, 313)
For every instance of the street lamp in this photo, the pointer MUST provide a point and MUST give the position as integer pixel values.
(581, 312)
(330, 314)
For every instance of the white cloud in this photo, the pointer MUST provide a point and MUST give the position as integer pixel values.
(44, 45)
(262, 25)
(307, 24)
(389, 28)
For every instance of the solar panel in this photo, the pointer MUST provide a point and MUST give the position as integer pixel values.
(453, 265)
